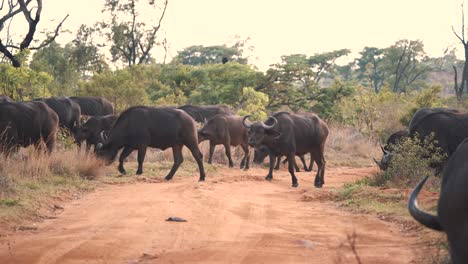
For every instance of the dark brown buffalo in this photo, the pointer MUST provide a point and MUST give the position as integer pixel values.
(227, 131)
(203, 113)
(68, 111)
(27, 123)
(5, 98)
(452, 208)
(289, 135)
(94, 106)
(90, 132)
(140, 127)
(448, 126)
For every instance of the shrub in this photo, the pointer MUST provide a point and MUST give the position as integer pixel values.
(412, 159)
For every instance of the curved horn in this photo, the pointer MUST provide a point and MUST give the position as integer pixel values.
(244, 123)
(378, 163)
(428, 220)
(103, 136)
(383, 150)
(275, 121)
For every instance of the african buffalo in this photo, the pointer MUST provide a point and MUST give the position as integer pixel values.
(448, 126)
(205, 112)
(263, 151)
(291, 134)
(140, 127)
(5, 98)
(91, 130)
(452, 209)
(68, 111)
(94, 106)
(227, 131)
(392, 140)
(27, 123)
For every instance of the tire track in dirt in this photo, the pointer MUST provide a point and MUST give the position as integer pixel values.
(234, 217)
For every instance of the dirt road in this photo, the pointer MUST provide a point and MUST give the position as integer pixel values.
(234, 217)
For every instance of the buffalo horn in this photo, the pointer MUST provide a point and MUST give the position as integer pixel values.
(429, 220)
(378, 163)
(275, 121)
(244, 123)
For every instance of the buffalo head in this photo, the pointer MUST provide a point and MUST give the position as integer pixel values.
(260, 154)
(386, 159)
(258, 131)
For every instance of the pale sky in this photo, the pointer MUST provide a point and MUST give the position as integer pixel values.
(287, 27)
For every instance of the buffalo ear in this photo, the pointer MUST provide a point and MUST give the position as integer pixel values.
(273, 133)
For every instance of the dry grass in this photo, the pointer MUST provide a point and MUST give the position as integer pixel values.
(347, 147)
(30, 178)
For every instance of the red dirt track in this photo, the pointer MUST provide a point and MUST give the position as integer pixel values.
(233, 217)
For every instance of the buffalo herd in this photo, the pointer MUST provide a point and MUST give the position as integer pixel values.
(449, 130)
(285, 134)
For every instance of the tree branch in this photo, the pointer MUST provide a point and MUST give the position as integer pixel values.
(51, 39)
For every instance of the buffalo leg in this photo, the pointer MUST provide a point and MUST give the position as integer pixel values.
(196, 153)
(278, 163)
(286, 160)
(272, 156)
(291, 167)
(303, 162)
(319, 177)
(141, 158)
(311, 165)
(246, 159)
(212, 149)
(178, 159)
(125, 153)
(227, 148)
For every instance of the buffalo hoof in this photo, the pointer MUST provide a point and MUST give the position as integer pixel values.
(167, 178)
(318, 185)
(268, 178)
(295, 185)
(308, 169)
(123, 171)
(231, 166)
(139, 172)
(201, 180)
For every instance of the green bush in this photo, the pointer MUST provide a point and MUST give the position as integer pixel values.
(412, 159)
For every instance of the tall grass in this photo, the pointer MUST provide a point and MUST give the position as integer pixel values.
(29, 178)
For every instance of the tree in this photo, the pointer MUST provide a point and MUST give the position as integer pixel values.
(56, 61)
(132, 41)
(295, 82)
(31, 11)
(405, 61)
(370, 67)
(198, 55)
(464, 42)
(86, 55)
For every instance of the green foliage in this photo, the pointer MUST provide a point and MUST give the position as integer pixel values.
(295, 82)
(198, 55)
(406, 64)
(370, 68)
(253, 103)
(426, 98)
(411, 161)
(363, 108)
(220, 83)
(124, 88)
(23, 83)
(131, 39)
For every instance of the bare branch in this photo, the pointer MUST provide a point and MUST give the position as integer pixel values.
(51, 39)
